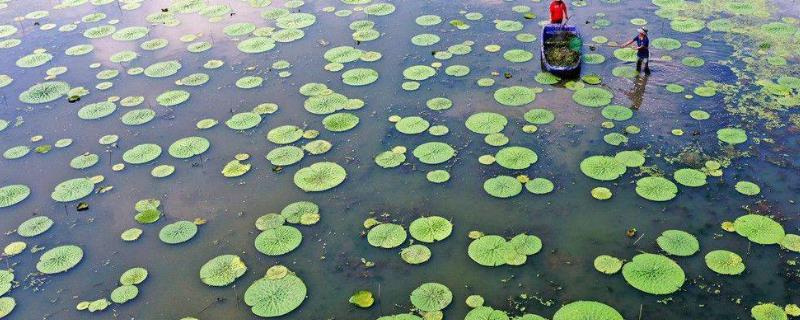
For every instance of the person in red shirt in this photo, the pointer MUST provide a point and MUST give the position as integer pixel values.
(558, 12)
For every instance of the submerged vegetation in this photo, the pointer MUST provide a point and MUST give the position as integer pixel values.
(251, 137)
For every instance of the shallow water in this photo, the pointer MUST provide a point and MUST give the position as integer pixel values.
(574, 227)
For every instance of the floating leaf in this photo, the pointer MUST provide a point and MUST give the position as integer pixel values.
(59, 259)
(177, 232)
(142, 153)
(430, 229)
(320, 176)
(724, 262)
(222, 270)
(278, 241)
(607, 264)
(653, 274)
(516, 158)
(434, 152)
(13, 194)
(587, 310)
(486, 122)
(133, 276)
(73, 189)
(431, 296)
(188, 147)
(759, 229)
(415, 254)
(656, 189)
(678, 243)
(34, 226)
(275, 297)
(124, 294)
(603, 168)
(502, 186)
(386, 235)
(514, 96)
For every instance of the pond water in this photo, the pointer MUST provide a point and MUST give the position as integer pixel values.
(743, 62)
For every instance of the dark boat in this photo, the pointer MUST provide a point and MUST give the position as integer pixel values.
(550, 31)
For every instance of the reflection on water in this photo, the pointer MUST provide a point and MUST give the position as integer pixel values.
(574, 227)
(636, 94)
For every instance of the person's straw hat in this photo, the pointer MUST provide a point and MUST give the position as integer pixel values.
(642, 30)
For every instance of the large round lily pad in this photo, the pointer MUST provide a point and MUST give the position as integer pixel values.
(678, 243)
(514, 96)
(654, 274)
(13, 194)
(656, 189)
(278, 241)
(59, 259)
(431, 296)
(177, 232)
(275, 297)
(188, 147)
(516, 158)
(320, 176)
(222, 270)
(587, 310)
(387, 235)
(430, 229)
(73, 189)
(759, 229)
(603, 168)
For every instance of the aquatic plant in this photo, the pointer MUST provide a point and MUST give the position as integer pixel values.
(539, 186)
(607, 264)
(222, 270)
(142, 153)
(514, 96)
(44, 92)
(415, 254)
(759, 229)
(516, 158)
(13, 194)
(656, 189)
(588, 310)
(724, 262)
(386, 235)
(592, 97)
(486, 122)
(243, 121)
(678, 243)
(340, 122)
(59, 259)
(319, 176)
(430, 229)
(188, 147)
(72, 189)
(603, 168)
(502, 186)
(133, 276)
(275, 297)
(653, 274)
(431, 296)
(278, 241)
(177, 232)
(124, 294)
(284, 156)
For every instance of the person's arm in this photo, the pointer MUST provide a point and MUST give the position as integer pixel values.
(644, 45)
(566, 16)
(626, 44)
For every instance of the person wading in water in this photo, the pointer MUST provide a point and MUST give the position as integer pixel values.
(558, 12)
(642, 50)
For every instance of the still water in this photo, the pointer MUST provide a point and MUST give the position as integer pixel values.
(574, 227)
